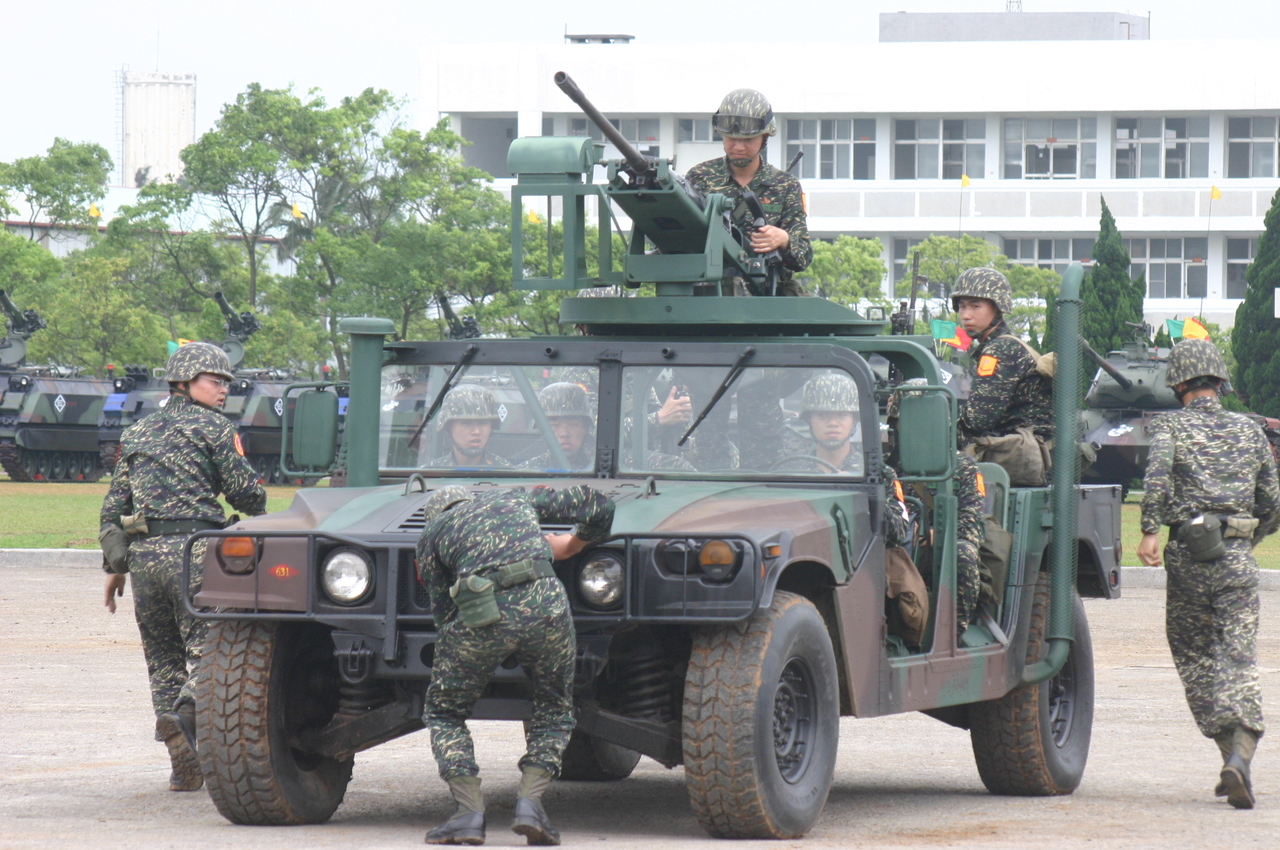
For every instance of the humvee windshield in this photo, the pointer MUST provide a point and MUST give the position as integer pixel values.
(668, 422)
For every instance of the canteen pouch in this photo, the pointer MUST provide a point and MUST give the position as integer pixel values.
(477, 603)
(135, 523)
(1202, 537)
(518, 573)
(115, 547)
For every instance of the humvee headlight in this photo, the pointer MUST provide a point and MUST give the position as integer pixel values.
(347, 576)
(238, 554)
(718, 559)
(601, 579)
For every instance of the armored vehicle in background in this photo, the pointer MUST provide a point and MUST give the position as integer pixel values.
(48, 414)
(740, 607)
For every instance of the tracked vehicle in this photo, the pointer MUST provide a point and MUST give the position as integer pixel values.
(740, 607)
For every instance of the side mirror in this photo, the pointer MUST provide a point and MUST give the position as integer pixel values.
(314, 441)
(926, 442)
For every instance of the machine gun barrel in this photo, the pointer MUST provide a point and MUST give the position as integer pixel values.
(225, 306)
(9, 307)
(637, 162)
(1105, 365)
(22, 323)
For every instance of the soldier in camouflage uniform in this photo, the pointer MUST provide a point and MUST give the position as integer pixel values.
(495, 538)
(469, 416)
(173, 464)
(744, 120)
(1205, 460)
(971, 523)
(569, 413)
(1008, 417)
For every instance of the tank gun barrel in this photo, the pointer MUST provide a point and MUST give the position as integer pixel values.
(637, 162)
(1105, 365)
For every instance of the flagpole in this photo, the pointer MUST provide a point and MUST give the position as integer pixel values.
(1214, 192)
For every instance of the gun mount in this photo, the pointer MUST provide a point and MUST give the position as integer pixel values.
(22, 324)
(459, 328)
(240, 326)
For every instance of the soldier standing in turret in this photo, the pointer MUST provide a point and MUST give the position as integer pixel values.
(1212, 479)
(745, 119)
(1008, 418)
(173, 465)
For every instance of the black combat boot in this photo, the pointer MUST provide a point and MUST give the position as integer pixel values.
(531, 819)
(467, 824)
(1235, 773)
(177, 729)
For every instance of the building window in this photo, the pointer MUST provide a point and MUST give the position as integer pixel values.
(584, 127)
(1162, 147)
(1240, 253)
(642, 133)
(921, 145)
(1054, 254)
(694, 130)
(834, 148)
(548, 125)
(1251, 147)
(1050, 148)
(1174, 268)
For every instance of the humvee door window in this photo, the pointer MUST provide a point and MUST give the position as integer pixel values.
(491, 419)
(778, 421)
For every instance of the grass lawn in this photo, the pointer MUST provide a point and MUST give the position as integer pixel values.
(65, 516)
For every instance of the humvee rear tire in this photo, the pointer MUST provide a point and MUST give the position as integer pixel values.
(762, 722)
(1034, 741)
(591, 759)
(259, 685)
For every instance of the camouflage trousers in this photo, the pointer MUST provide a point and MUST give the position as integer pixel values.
(1211, 619)
(537, 629)
(172, 639)
(968, 583)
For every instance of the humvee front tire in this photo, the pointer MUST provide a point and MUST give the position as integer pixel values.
(592, 759)
(762, 722)
(1034, 741)
(260, 684)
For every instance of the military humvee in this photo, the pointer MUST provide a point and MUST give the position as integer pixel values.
(740, 607)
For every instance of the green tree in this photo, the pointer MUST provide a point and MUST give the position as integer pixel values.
(59, 186)
(1109, 297)
(942, 258)
(23, 263)
(847, 271)
(1256, 333)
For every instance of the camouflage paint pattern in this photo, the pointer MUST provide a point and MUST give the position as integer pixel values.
(485, 460)
(971, 530)
(475, 538)
(171, 638)
(984, 283)
(1005, 391)
(1195, 358)
(1204, 458)
(780, 195)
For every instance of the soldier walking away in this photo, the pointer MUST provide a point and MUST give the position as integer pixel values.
(468, 417)
(173, 464)
(1008, 418)
(487, 567)
(1211, 479)
(744, 120)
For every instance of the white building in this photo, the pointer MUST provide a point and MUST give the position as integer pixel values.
(158, 120)
(1043, 129)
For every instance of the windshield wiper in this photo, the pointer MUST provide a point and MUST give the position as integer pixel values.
(734, 371)
(467, 354)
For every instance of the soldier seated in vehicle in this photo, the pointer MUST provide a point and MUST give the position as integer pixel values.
(572, 424)
(830, 409)
(469, 416)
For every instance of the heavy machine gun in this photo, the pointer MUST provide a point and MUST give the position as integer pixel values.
(239, 327)
(459, 328)
(22, 324)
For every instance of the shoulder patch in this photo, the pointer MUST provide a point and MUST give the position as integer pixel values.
(987, 365)
(897, 490)
(982, 486)
(239, 445)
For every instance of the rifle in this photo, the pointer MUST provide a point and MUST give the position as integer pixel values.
(772, 261)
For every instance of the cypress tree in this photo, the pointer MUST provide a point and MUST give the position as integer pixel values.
(1256, 336)
(1109, 297)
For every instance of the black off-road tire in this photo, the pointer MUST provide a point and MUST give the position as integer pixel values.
(1034, 741)
(259, 685)
(591, 759)
(762, 722)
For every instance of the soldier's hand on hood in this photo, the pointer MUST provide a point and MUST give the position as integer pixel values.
(565, 545)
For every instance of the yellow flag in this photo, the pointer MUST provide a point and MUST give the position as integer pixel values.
(1215, 193)
(1191, 329)
(94, 212)
(182, 342)
(964, 180)
(533, 218)
(297, 213)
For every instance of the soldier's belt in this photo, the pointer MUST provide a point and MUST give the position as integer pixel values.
(164, 527)
(509, 575)
(1232, 526)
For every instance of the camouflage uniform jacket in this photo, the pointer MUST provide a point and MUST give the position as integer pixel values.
(502, 528)
(1204, 458)
(1005, 390)
(779, 194)
(583, 460)
(175, 462)
(484, 461)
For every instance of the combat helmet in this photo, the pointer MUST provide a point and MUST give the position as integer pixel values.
(983, 283)
(565, 399)
(469, 401)
(1194, 358)
(196, 358)
(443, 499)
(744, 114)
(832, 392)
(894, 405)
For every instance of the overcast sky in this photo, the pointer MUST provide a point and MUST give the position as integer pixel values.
(58, 59)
